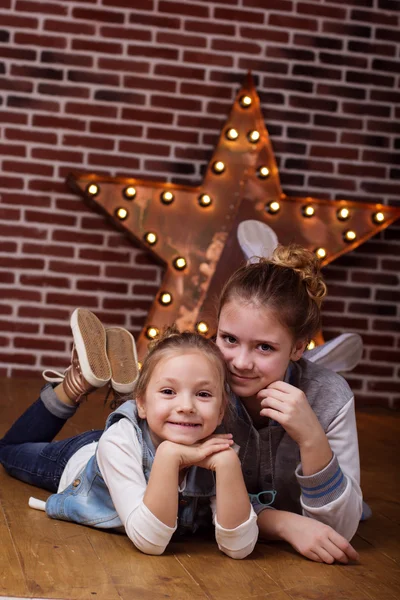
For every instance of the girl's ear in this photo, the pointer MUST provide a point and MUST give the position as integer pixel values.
(141, 407)
(298, 349)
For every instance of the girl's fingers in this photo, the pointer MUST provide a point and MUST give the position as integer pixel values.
(312, 556)
(213, 450)
(218, 436)
(324, 555)
(217, 441)
(273, 403)
(336, 552)
(281, 386)
(270, 393)
(344, 546)
(275, 415)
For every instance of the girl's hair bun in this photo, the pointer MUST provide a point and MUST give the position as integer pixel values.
(306, 264)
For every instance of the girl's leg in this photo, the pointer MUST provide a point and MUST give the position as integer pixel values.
(27, 451)
(42, 421)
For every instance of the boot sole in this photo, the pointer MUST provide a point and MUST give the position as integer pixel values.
(90, 343)
(121, 352)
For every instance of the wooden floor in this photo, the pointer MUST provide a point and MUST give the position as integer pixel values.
(44, 558)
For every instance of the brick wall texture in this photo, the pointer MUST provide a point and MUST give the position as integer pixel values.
(97, 85)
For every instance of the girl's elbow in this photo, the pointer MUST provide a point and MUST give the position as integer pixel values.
(240, 553)
(150, 549)
(146, 547)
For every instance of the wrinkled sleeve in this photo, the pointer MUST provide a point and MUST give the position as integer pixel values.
(119, 456)
(333, 495)
(239, 542)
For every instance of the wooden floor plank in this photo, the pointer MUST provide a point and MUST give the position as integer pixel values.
(376, 575)
(221, 578)
(305, 580)
(56, 557)
(137, 575)
(383, 534)
(11, 572)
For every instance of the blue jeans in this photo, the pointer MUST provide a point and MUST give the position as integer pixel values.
(27, 451)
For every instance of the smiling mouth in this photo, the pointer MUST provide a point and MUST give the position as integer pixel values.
(184, 424)
(242, 377)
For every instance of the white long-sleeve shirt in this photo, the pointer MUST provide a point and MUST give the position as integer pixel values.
(119, 456)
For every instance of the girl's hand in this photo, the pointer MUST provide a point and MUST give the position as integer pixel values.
(318, 541)
(227, 459)
(188, 456)
(288, 406)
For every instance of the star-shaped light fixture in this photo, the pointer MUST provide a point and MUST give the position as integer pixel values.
(191, 231)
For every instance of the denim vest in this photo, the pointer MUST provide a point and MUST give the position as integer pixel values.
(87, 500)
(327, 392)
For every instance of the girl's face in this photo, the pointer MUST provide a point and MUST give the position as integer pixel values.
(184, 400)
(256, 347)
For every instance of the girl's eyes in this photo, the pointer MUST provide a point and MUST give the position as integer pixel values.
(167, 391)
(171, 392)
(229, 339)
(266, 348)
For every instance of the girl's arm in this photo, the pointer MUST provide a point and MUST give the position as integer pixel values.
(329, 470)
(235, 521)
(119, 457)
(161, 496)
(333, 495)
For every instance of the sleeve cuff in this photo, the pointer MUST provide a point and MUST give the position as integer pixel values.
(240, 541)
(147, 532)
(323, 487)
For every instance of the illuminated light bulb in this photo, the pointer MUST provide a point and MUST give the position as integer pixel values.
(263, 172)
(349, 235)
(218, 167)
(343, 214)
(121, 213)
(165, 298)
(273, 207)
(378, 217)
(180, 263)
(308, 210)
(152, 333)
(320, 252)
(231, 134)
(167, 197)
(202, 327)
(150, 238)
(253, 136)
(139, 365)
(129, 192)
(311, 345)
(245, 101)
(93, 189)
(205, 200)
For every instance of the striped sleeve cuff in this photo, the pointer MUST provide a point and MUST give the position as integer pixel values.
(323, 487)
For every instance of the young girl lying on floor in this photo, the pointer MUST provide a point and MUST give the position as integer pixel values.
(158, 467)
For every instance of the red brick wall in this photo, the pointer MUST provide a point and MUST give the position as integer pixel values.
(99, 86)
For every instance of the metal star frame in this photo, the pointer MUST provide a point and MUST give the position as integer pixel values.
(191, 231)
